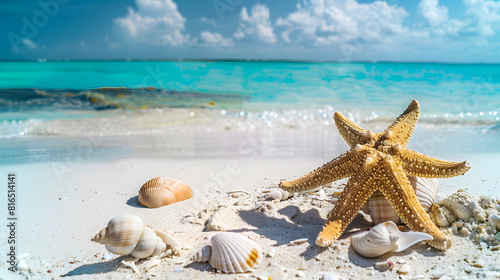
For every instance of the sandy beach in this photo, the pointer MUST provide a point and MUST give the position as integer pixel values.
(61, 207)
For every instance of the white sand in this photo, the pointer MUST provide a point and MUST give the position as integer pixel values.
(57, 218)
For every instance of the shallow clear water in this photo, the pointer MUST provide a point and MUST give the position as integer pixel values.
(138, 106)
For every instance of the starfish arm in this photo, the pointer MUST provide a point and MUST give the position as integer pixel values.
(398, 191)
(402, 128)
(420, 165)
(339, 168)
(352, 133)
(354, 196)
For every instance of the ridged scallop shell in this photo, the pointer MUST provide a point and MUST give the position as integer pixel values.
(162, 191)
(231, 253)
(384, 238)
(381, 210)
(126, 235)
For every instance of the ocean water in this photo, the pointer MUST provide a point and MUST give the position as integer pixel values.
(141, 107)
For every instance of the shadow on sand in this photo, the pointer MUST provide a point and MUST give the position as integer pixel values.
(95, 268)
(134, 202)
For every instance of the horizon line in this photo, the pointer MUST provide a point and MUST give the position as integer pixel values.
(42, 60)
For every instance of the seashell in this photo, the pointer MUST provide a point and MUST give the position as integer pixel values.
(495, 219)
(383, 266)
(131, 265)
(231, 253)
(384, 238)
(404, 269)
(438, 216)
(458, 203)
(162, 191)
(381, 210)
(202, 255)
(277, 194)
(477, 211)
(126, 235)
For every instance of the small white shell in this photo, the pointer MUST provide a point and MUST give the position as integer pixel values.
(383, 266)
(162, 191)
(202, 255)
(438, 216)
(277, 194)
(384, 238)
(126, 235)
(381, 210)
(495, 219)
(231, 253)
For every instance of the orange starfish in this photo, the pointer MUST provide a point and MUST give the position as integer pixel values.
(379, 162)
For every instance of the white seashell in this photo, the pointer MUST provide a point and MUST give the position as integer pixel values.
(232, 253)
(384, 238)
(477, 211)
(126, 235)
(131, 265)
(495, 219)
(458, 203)
(381, 210)
(162, 191)
(202, 255)
(426, 190)
(383, 266)
(277, 194)
(22, 265)
(404, 269)
(298, 241)
(151, 263)
(438, 216)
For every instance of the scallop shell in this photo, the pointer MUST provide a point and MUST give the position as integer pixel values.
(162, 191)
(384, 238)
(381, 210)
(126, 235)
(231, 253)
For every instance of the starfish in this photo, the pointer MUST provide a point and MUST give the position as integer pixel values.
(379, 162)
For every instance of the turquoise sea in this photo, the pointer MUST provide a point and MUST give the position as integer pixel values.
(137, 107)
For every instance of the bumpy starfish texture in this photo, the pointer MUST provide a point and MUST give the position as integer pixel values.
(379, 162)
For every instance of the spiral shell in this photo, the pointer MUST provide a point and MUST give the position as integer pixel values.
(162, 191)
(459, 203)
(439, 216)
(230, 253)
(384, 238)
(381, 210)
(126, 235)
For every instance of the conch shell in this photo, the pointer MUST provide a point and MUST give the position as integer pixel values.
(162, 191)
(384, 238)
(230, 253)
(381, 210)
(126, 235)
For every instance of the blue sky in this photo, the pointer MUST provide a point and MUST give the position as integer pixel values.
(420, 30)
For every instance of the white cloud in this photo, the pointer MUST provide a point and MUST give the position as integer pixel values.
(155, 21)
(209, 21)
(325, 22)
(215, 39)
(434, 13)
(486, 13)
(256, 24)
(28, 43)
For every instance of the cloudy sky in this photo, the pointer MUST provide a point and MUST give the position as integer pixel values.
(418, 30)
